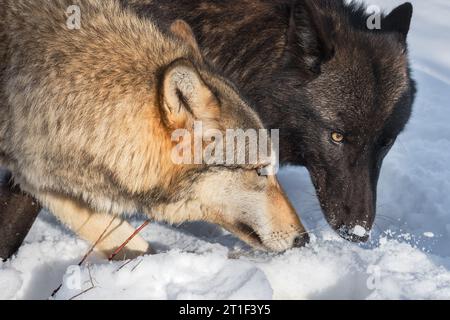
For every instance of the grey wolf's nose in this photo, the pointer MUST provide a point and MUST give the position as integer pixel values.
(301, 240)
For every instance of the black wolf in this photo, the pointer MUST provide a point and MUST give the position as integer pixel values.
(339, 92)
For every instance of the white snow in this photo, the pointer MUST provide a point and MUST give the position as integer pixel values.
(359, 231)
(407, 258)
(171, 275)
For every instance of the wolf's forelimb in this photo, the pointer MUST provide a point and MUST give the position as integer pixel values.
(90, 225)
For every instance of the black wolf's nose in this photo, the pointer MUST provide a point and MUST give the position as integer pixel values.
(301, 240)
(350, 236)
(358, 239)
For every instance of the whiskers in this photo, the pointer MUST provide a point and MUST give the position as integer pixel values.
(388, 219)
(380, 230)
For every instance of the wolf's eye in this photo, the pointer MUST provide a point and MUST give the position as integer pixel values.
(260, 172)
(337, 137)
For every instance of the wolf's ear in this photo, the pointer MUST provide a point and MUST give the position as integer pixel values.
(310, 36)
(399, 20)
(183, 31)
(185, 97)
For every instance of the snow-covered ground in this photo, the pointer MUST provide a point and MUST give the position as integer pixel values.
(408, 257)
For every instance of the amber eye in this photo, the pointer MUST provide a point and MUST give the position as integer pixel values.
(337, 137)
(261, 172)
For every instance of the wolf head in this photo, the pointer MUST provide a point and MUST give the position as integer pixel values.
(357, 97)
(236, 196)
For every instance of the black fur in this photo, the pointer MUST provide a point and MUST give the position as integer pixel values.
(17, 214)
(311, 68)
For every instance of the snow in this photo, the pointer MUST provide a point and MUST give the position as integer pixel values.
(171, 275)
(408, 256)
(359, 231)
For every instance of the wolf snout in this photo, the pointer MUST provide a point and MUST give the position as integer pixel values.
(280, 244)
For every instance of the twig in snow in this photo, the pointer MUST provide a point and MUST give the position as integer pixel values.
(90, 275)
(88, 253)
(138, 230)
(123, 266)
(137, 265)
(81, 293)
(88, 289)
(96, 242)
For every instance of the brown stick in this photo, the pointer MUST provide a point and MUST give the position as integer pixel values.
(138, 230)
(82, 293)
(96, 242)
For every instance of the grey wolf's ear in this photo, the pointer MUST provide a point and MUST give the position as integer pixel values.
(310, 36)
(399, 20)
(183, 31)
(185, 97)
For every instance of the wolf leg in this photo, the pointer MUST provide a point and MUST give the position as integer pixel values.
(90, 225)
(18, 212)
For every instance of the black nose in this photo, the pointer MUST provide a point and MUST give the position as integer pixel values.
(301, 240)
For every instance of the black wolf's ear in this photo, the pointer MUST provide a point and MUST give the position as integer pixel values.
(185, 97)
(310, 36)
(183, 31)
(399, 20)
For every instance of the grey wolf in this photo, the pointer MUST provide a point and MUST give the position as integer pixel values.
(86, 117)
